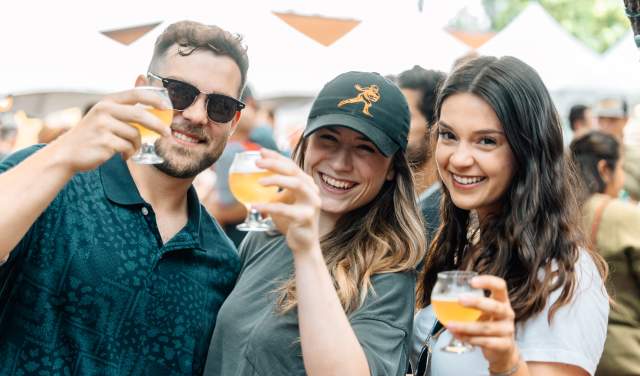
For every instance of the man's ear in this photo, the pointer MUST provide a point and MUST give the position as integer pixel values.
(235, 121)
(141, 80)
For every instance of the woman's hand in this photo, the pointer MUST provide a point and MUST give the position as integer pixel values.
(296, 212)
(494, 332)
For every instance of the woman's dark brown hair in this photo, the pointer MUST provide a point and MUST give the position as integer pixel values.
(587, 152)
(537, 226)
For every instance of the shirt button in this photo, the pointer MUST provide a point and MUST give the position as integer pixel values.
(145, 211)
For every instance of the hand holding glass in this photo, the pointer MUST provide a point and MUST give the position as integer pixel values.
(243, 182)
(448, 289)
(147, 153)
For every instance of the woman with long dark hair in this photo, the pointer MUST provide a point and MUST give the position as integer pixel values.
(511, 215)
(612, 226)
(333, 292)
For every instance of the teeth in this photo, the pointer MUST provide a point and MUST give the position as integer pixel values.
(185, 138)
(336, 183)
(467, 181)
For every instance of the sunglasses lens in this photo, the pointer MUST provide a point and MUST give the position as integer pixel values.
(220, 108)
(181, 94)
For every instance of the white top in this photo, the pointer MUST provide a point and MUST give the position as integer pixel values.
(575, 336)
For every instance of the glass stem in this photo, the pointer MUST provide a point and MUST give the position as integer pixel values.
(253, 216)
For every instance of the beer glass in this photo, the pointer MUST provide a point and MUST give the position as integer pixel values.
(147, 153)
(243, 182)
(449, 287)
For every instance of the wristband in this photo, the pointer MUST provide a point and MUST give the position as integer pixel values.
(510, 372)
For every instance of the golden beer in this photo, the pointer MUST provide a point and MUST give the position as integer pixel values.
(247, 190)
(449, 309)
(165, 116)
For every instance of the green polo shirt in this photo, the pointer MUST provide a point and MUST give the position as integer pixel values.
(91, 289)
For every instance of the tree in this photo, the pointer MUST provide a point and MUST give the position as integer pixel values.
(597, 23)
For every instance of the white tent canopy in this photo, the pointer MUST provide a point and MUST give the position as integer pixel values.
(67, 52)
(390, 45)
(622, 64)
(539, 40)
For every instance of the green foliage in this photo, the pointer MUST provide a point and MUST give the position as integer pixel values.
(597, 23)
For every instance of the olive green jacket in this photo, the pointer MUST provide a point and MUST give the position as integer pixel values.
(617, 238)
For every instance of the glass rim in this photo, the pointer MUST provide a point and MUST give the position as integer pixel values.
(249, 152)
(244, 162)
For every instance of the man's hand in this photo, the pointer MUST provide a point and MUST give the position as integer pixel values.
(107, 129)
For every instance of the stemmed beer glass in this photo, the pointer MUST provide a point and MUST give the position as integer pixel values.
(147, 153)
(450, 286)
(243, 182)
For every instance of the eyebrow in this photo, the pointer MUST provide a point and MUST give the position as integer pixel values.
(481, 131)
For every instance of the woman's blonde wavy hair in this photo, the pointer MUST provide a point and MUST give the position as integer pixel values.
(385, 236)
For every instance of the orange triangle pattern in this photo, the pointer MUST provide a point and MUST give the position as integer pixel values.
(129, 35)
(324, 30)
(472, 39)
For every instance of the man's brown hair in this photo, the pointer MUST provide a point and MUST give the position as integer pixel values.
(191, 36)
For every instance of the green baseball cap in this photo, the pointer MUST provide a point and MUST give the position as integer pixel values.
(367, 103)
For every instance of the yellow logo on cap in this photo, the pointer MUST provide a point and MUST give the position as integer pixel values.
(367, 95)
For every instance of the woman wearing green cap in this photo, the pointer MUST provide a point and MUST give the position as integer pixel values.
(333, 292)
(509, 214)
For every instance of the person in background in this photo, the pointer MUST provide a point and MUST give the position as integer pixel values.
(52, 130)
(53, 127)
(612, 226)
(8, 135)
(581, 120)
(221, 203)
(332, 292)
(114, 268)
(420, 88)
(261, 132)
(510, 214)
(612, 116)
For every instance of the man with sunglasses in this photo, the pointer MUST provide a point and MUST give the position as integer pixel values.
(112, 267)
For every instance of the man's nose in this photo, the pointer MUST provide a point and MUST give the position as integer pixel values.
(197, 112)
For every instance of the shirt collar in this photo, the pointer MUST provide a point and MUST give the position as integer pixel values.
(120, 188)
(118, 184)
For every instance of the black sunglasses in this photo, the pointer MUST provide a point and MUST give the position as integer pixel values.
(220, 108)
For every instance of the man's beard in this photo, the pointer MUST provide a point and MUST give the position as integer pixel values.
(418, 154)
(174, 165)
(185, 171)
